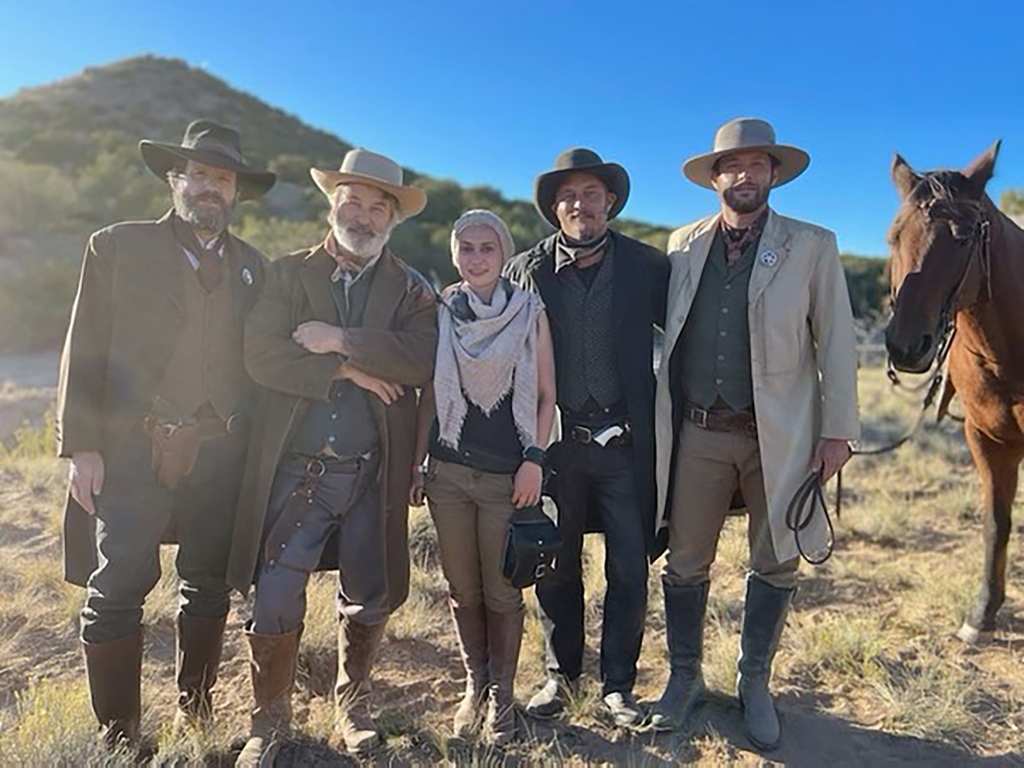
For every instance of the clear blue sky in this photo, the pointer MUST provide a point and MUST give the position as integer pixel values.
(489, 92)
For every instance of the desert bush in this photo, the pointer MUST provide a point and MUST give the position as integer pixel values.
(35, 304)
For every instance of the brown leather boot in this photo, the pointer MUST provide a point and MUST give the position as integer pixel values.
(198, 659)
(504, 636)
(357, 648)
(471, 624)
(114, 670)
(272, 662)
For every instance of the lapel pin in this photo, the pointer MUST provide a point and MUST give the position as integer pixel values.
(246, 276)
(769, 258)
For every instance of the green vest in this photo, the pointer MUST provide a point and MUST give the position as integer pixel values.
(714, 349)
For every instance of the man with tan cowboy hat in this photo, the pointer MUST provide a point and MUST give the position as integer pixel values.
(604, 294)
(757, 388)
(342, 335)
(152, 410)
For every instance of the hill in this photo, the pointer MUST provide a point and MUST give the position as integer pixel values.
(69, 164)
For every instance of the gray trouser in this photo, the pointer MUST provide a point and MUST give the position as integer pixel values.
(471, 510)
(132, 514)
(710, 467)
(341, 509)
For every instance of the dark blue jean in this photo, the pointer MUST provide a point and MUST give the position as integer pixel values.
(597, 484)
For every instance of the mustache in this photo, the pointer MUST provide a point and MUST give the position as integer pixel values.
(213, 197)
(360, 229)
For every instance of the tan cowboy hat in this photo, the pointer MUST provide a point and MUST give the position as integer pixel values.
(747, 134)
(208, 143)
(579, 160)
(361, 166)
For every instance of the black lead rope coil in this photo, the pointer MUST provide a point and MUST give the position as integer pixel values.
(799, 515)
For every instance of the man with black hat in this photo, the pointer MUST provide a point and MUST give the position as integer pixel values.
(604, 294)
(757, 389)
(152, 405)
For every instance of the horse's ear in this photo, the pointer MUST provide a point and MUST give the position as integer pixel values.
(981, 170)
(903, 176)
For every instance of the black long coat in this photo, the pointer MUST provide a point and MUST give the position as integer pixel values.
(639, 296)
(126, 320)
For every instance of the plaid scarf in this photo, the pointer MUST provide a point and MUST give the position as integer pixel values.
(480, 361)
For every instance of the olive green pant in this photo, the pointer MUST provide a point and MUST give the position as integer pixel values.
(710, 467)
(471, 510)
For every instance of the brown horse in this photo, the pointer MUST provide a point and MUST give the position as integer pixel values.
(957, 275)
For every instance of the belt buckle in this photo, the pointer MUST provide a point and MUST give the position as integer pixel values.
(702, 420)
(315, 467)
(232, 424)
(168, 429)
(585, 434)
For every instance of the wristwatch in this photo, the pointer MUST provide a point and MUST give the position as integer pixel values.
(534, 455)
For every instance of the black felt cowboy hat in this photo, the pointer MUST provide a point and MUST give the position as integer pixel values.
(579, 160)
(211, 144)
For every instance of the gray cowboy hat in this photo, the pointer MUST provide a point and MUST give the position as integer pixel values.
(747, 134)
(211, 144)
(579, 160)
(360, 166)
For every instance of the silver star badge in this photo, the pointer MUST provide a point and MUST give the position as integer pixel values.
(246, 276)
(769, 258)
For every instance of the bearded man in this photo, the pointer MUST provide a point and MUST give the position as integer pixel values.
(341, 337)
(757, 389)
(153, 401)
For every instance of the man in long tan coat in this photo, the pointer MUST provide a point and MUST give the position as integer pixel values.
(757, 389)
(340, 338)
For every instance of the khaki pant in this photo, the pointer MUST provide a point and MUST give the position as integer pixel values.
(471, 510)
(710, 466)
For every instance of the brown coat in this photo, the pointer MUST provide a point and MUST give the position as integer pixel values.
(125, 324)
(396, 342)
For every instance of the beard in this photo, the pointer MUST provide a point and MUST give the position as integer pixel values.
(361, 240)
(205, 218)
(748, 204)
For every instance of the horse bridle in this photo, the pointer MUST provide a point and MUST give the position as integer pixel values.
(980, 242)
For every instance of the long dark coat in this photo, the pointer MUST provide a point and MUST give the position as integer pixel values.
(126, 320)
(639, 296)
(396, 342)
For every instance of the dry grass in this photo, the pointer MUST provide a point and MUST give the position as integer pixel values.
(868, 671)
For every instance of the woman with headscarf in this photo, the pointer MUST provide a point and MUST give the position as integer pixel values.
(484, 420)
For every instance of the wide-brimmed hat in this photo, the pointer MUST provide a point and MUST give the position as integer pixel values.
(747, 134)
(211, 144)
(360, 166)
(579, 160)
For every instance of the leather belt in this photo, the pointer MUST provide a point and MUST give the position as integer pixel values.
(317, 466)
(209, 427)
(738, 422)
(585, 435)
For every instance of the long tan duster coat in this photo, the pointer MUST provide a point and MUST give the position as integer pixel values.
(803, 359)
(396, 342)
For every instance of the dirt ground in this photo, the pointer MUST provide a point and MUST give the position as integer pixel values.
(868, 674)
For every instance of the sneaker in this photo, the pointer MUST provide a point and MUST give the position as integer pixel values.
(624, 708)
(550, 700)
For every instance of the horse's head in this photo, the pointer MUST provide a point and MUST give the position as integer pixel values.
(939, 255)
